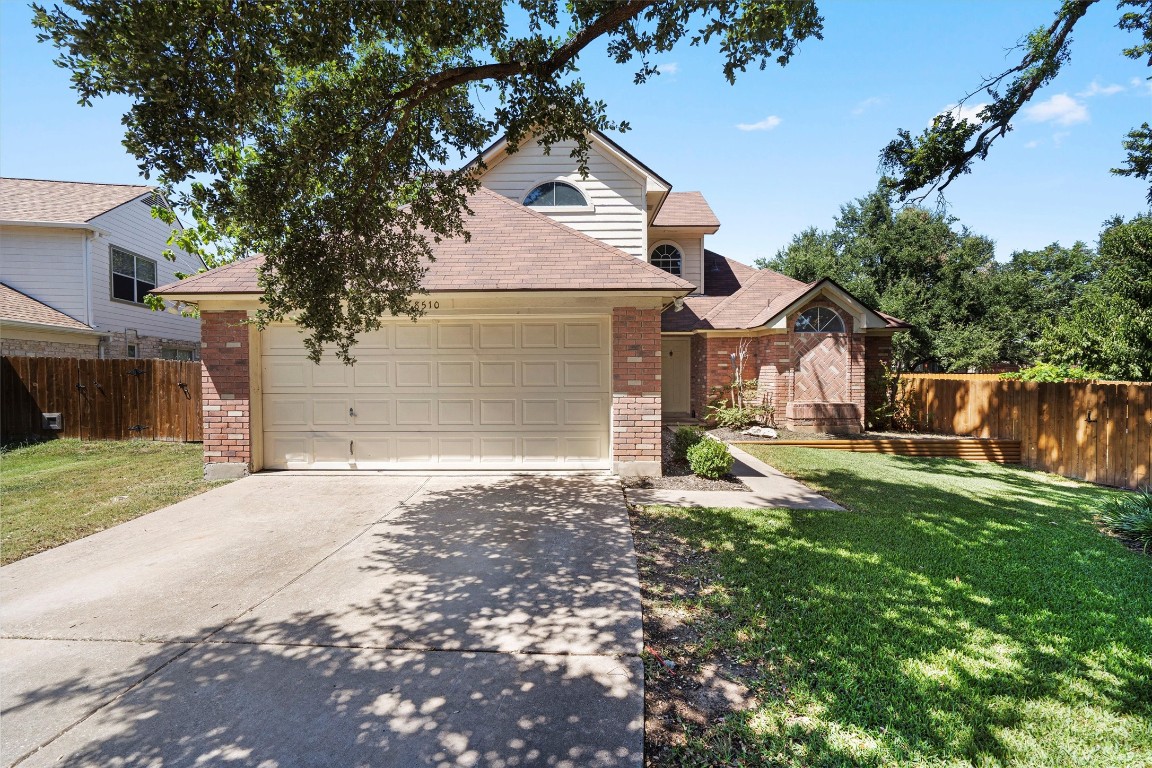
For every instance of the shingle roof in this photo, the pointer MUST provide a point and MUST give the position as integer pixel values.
(66, 202)
(685, 209)
(724, 276)
(738, 297)
(512, 248)
(20, 308)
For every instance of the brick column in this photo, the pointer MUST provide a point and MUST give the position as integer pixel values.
(225, 384)
(636, 419)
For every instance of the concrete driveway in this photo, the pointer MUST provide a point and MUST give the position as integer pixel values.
(336, 620)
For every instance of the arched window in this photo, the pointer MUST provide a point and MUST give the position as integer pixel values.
(555, 193)
(668, 258)
(819, 320)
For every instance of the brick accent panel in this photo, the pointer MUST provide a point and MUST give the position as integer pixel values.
(225, 382)
(636, 364)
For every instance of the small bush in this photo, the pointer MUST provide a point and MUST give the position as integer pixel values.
(1050, 372)
(735, 417)
(683, 439)
(1130, 517)
(710, 458)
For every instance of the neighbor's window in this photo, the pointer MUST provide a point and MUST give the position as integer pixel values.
(133, 277)
(173, 353)
(132, 351)
(819, 320)
(554, 193)
(668, 258)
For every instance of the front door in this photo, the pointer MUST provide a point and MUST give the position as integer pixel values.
(676, 374)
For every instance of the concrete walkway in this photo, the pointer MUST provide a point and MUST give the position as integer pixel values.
(355, 619)
(768, 488)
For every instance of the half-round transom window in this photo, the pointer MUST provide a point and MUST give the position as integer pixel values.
(555, 193)
(819, 320)
(668, 258)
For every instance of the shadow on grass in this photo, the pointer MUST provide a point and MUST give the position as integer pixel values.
(956, 612)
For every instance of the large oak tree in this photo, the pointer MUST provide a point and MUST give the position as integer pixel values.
(319, 132)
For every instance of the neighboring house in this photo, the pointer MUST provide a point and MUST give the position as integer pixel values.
(86, 255)
(581, 312)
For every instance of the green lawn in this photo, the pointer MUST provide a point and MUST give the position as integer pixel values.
(63, 490)
(958, 614)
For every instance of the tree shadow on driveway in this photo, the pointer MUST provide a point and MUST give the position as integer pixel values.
(490, 623)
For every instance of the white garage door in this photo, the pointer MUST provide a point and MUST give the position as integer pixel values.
(443, 394)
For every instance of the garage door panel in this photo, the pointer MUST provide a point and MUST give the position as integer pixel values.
(433, 451)
(414, 337)
(371, 373)
(331, 412)
(455, 373)
(413, 373)
(444, 393)
(372, 412)
(497, 374)
(412, 412)
(585, 373)
(583, 336)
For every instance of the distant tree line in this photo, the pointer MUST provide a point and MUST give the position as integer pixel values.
(1078, 305)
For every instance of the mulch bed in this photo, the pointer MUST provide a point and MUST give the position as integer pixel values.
(678, 475)
(685, 692)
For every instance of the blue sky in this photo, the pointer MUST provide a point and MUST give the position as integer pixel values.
(782, 149)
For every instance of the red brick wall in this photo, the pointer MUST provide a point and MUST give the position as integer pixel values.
(713, 368)
(636, 363)
(224, 376)
(773, 360)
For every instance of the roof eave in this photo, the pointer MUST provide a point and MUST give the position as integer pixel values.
(54, 225)
(49, 327)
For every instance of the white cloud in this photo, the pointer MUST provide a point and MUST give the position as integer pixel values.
(1095, 89)
(1061, 109)
(1058, 138)
(1032, 144)
(766, 124)
(668, 68)
(969, 112)
(1138, 82)
(869, 103)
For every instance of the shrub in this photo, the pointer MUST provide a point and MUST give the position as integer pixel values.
(1130, 517)
(710, 458)
(735, 417)
(683, 439)
(1050, 372)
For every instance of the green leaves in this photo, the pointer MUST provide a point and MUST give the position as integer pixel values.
(322, 134)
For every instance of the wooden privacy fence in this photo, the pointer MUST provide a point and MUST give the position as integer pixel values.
(100, 399)
(1095, 431)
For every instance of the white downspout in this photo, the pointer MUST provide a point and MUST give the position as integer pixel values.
(88, 318)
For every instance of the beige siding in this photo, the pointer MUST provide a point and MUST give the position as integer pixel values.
(132, 228)
(691, 245)
(47, 264)
(616, 195)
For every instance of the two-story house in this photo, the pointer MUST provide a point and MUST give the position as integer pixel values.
(583, 311)
(76, 261)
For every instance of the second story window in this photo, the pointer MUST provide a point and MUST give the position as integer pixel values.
(668, 258)
(551, 194)
(133, 277)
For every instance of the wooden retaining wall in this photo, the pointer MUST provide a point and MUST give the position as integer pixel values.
(100, 399)
(998, 451)
(1095, 431)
